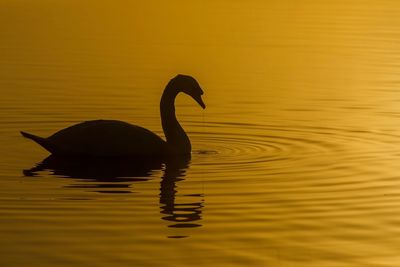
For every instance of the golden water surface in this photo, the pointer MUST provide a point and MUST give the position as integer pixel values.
(296, 159)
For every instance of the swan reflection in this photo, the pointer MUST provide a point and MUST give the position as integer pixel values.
(118, 176)
(181, 214)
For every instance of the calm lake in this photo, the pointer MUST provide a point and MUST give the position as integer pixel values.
(295, 160)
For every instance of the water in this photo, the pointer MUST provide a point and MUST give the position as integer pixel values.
(295, 159)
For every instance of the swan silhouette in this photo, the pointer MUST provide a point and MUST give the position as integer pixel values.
(112, 138)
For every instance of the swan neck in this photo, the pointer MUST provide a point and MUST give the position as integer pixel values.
(176, 137)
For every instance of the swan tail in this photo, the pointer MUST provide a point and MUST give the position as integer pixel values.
(30, 136)
(39, 140)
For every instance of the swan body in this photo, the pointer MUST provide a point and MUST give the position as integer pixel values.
(112, 138)
(103, 138)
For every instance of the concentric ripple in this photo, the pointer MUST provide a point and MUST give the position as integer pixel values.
(252, 147)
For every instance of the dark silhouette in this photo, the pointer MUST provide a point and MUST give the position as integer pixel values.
(184, 215)
(110, 138)
(118, 175)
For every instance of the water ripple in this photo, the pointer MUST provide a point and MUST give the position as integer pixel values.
(251, 147)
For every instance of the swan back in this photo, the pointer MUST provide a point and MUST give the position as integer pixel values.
(107, 138)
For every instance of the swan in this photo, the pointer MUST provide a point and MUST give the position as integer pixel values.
(113, 138)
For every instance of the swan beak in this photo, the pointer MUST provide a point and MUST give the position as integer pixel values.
(200, 101)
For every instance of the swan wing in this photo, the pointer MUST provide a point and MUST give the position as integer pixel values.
(107, 138)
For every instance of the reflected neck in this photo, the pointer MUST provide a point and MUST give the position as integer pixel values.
(176, 137)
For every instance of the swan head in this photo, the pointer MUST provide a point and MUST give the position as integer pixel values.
(188, 85)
